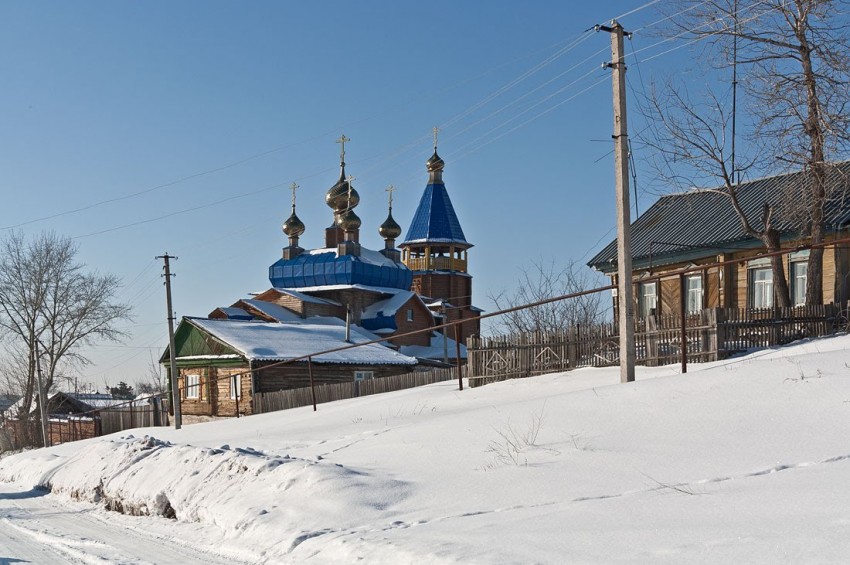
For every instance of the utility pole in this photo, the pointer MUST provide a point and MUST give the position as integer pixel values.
(175, 392)
(42, 398)
(625, 306)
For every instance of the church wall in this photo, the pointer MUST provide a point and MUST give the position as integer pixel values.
(422, 319)
(456, 289)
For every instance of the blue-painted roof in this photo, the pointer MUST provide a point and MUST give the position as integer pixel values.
(324, 267)
(435, 220)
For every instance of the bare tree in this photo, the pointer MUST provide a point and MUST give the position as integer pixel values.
(539, 282)
(793, 57)
(690, 139)
(50, 307)
(152, 383)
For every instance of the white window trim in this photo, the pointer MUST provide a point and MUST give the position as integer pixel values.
(193, 386)
(797, 286)
(768, 295)
(410, 314)
(364, 375)
(235, 391)
(700, 292)
(644, 309)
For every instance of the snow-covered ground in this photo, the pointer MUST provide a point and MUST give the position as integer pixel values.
(743, 460)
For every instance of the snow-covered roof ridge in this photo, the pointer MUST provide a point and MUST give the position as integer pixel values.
(270, 341)
(272, 310)
(388, 307)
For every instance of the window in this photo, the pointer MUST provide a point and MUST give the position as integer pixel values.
(693, 289)
(410, 314)
(647, 299)
(761, 287)
(193, 386)
(235, 387)
(364, 375)
(799, 276)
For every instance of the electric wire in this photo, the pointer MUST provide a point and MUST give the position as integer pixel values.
(468, 148)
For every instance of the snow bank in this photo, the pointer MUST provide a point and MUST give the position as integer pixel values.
(741, 460)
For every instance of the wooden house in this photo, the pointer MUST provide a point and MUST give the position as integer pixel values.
(221, 363)
(700, 227)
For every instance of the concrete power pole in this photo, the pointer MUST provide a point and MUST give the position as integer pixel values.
(175, 392)
(625, 305)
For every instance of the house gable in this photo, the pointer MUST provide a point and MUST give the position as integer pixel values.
(194, 346)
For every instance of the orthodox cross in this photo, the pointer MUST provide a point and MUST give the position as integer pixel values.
(342, 140)
(293, 187)
(390, 189)
(436, 131)
(348, 179)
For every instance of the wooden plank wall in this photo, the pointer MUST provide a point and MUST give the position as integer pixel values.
(295, 398)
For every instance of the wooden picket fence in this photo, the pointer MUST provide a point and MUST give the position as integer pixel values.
(712, 334)
(135, 415)
(297, 397)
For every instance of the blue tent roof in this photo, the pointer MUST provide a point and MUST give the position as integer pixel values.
(435, 219)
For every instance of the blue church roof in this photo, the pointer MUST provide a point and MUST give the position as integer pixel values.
(324, 267)
(435, 219)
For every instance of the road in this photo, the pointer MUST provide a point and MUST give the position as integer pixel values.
(36, 527)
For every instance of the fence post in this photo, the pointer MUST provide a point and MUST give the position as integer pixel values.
(572, 346)
(312, 386)
(457, 358)
(651, 341)
(683, 320)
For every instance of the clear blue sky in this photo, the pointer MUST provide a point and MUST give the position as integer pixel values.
(206, 111)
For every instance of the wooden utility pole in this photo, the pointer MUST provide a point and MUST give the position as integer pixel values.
(42, 398)
(625, 305)
(175, 392)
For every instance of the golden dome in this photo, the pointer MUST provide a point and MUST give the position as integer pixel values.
(338, 196)
(293, 226)
(390, 229)
(435, 163)
(348, 221)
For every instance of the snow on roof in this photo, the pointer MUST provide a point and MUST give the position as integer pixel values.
(387, 307)
(369, 256)
(233, 312)
(436, 350)
(367, 288)
(272, 310)
(306, 297)
(264, 341)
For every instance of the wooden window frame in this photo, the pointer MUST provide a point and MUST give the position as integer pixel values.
(364, 375)
(699, 307)
(643, 311)
(752, 283)
(797, 286)
(193, 391)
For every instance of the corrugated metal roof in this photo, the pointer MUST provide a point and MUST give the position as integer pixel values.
(681, 224)
(435, 219)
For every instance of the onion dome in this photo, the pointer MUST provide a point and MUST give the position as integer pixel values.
(293, 226)
(390, 229)
(338, 196)
(435, 163)
(348, 221)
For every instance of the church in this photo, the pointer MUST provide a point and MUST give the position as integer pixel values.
(332, 296)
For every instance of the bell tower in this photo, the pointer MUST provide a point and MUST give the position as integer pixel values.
(435, 249)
